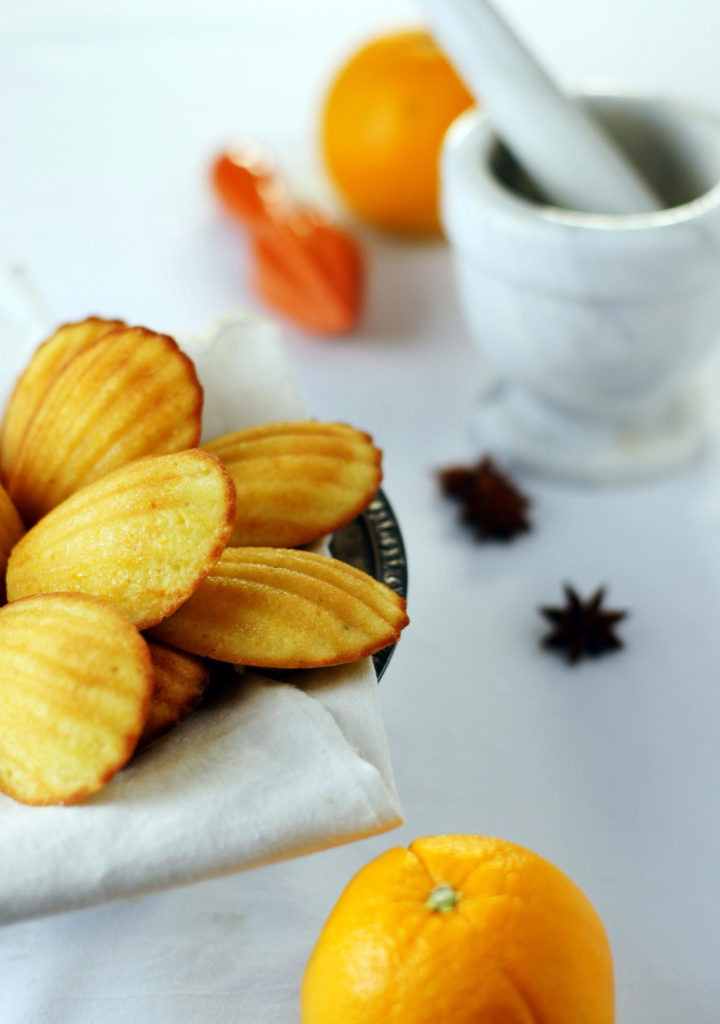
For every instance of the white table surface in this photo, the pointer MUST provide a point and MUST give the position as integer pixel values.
(109, 117)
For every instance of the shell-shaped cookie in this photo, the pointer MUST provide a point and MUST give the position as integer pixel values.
(47, 361)
(297, 481)
(142, 537)
(11, 530)
(130, 393)
(75, 685)
(279, 608)
(180, 683)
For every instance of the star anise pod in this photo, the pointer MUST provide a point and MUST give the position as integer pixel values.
(583, 627)
(490, 501)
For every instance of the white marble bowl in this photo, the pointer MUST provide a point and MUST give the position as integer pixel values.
(594, 324)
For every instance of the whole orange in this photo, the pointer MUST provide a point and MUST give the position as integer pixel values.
(382, 126)
(460, 929)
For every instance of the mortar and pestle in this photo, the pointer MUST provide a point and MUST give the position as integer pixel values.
(585, 233)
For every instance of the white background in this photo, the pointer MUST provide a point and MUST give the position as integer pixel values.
(109, 116)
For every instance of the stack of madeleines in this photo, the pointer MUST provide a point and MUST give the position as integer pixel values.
(132, 557)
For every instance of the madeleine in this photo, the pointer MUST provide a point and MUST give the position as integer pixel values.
(75, 684)
(143, 537)
(180, 683)
(296, 482)
(11, 530)
(45, 364)
(278, 608)
(128, 394)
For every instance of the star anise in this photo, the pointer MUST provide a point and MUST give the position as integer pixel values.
(583, 627)
(490, 501)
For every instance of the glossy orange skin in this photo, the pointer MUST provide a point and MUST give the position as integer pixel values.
(383, 123)
(522, 945)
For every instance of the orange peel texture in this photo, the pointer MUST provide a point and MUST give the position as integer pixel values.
(463, 930)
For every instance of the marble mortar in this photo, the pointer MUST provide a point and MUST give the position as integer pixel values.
(594, 325)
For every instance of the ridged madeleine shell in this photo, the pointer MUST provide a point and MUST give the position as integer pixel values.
(142, 537)
(75, 685)
(130, 393)
(45, 364)
(279, 608)
(180, 683)
(297, 481)
(11, 530)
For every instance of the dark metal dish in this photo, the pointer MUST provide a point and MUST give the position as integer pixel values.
(373, 543)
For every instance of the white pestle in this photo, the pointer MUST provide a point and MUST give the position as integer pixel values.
(568, 156)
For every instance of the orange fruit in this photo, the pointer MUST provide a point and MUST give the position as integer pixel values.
(382, 127)
(460, 929)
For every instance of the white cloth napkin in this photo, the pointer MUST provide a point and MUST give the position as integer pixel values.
(264, 772)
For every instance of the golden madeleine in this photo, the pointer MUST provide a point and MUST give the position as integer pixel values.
(11, 530)
(75, 685)
(180, 683)
(49, 359)
(279, 608)
(130, 393)
(296, 482)
(142, 537)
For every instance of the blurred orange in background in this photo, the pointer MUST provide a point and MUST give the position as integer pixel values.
(382, 126)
